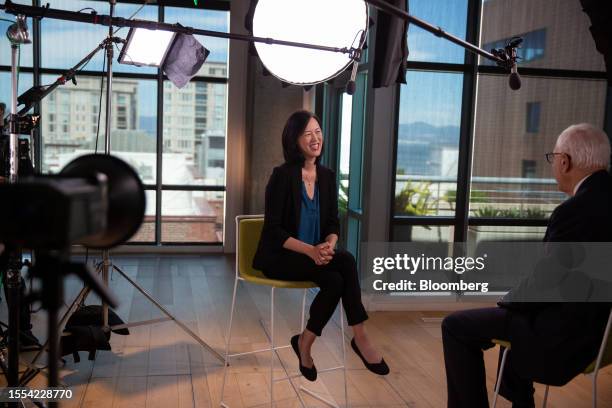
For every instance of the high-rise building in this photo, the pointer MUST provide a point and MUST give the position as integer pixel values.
(194, 121)
(515, 128)
(70, 116)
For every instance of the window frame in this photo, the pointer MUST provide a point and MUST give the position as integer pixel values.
(471, 70)
(38, 71)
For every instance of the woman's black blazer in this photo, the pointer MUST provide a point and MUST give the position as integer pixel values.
(283, 206)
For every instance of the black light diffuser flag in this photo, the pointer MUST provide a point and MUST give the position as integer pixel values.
(184, 59)
(391, 47)
(600, 13)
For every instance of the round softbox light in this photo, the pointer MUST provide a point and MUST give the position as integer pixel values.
(126, 197)
(333, 23)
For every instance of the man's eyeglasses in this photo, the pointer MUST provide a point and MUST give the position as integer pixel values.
(551, 156)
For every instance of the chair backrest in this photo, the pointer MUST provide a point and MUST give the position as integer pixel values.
(248, 231)
(604, 356)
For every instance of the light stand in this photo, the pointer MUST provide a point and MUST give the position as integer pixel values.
(107, 146)
(105, 265)
(17, 34)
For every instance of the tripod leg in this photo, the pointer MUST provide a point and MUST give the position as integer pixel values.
(30, 373)
(167, 313)
(13, 285)
(106, 265)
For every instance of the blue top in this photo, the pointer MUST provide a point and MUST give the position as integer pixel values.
(309, 229)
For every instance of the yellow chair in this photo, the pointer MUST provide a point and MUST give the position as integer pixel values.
(248, 231)
(604, 358)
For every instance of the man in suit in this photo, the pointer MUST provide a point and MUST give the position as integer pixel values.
(551, 342)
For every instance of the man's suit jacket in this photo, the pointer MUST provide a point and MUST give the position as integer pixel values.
(283, 207)
(554, 342)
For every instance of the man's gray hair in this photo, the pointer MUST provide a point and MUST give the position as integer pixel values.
(588, 146)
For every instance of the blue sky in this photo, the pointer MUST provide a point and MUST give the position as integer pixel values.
(64, 43)
(434, 98)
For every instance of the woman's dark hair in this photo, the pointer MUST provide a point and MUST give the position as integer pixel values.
(295, 126)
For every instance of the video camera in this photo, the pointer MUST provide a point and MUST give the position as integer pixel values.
(96, 200)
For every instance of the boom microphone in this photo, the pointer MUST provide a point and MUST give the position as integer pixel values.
(515, 79)
(350, 85)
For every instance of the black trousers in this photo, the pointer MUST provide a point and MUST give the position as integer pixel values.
(465, 335)
(337, 280)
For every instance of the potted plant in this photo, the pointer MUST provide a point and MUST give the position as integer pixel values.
(415, 199)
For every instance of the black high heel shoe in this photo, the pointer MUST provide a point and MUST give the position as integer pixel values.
(380, 368)
(309, 373)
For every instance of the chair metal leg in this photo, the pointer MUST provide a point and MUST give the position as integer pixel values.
(499, 377)
(272, 347)
(303, 311)
(545, 397)
(595, 389)
(600, 355)
(343, 367)
(227, 343)
(343, 341)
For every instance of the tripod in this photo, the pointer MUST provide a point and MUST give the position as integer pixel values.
(106, 264)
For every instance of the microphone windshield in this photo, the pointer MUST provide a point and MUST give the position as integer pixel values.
(350, 87)
(514, 81)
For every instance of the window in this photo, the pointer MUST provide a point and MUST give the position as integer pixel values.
(505, 163)
(529, 169)
(82, 38)
(532, 48)
(509, 180)
(428, 144)
(121, 117)
(554, 37)
(135, 121)
(217, 142)
(449, 14)
(533, 117)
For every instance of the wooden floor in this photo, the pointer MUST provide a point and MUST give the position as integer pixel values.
(160, 366)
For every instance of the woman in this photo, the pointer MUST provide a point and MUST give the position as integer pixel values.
(299, 238)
